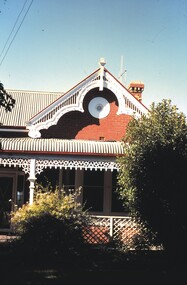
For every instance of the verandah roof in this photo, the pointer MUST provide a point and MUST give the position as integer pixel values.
(61, 146)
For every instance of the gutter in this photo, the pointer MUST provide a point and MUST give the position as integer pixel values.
(13, 130)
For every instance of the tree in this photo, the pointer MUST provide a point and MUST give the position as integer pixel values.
(153, 173)
(6, 100)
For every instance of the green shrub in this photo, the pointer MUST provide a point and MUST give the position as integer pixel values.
(51, 228)
(56, 203)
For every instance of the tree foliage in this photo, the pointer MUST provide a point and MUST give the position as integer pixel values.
(6, 100)
(153, 174)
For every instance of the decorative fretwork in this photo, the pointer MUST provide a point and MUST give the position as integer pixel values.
(20, 162)
(66, 102)
(60, 106)
(42, 164)
(75, 164)
(131, 105)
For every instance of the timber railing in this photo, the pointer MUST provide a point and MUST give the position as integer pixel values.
(103, 229)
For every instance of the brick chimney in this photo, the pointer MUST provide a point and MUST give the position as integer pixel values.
(136, 88)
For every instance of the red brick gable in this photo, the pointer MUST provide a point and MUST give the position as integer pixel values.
(78, 125)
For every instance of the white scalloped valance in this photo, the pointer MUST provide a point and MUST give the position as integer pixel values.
(42, 164)
(16, 162)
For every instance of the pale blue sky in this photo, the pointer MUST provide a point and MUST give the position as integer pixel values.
(60, 42)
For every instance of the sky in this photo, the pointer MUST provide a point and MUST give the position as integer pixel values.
(51, 45)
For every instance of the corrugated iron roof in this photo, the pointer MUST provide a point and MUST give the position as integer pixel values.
(22, 111)
(61, 146)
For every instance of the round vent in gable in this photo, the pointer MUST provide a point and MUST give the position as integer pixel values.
(99, 107)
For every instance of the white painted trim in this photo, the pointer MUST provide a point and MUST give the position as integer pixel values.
(32, 179)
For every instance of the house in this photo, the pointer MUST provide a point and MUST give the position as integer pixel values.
(71, 138)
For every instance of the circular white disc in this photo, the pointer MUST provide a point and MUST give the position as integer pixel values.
(99, 107)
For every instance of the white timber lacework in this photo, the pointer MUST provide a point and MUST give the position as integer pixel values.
(68, 102)
(128, 104)
(73, 101)
(75, 164)
(23, 163)
(42, 164)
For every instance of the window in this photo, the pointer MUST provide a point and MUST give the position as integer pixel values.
(20, 190)
(68, 179)
(93, 190)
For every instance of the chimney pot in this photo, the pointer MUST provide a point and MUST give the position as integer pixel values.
(136, 88)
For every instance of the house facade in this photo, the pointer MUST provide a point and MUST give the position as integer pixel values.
(71, 139)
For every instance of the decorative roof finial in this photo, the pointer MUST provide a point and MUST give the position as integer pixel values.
(102, 61)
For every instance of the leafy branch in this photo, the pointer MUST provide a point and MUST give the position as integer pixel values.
(6, 100)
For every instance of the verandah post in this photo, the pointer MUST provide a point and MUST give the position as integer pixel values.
(32, 179)
(111, 226)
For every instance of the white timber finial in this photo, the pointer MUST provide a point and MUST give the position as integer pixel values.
(102, 63)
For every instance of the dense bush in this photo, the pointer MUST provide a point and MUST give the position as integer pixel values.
(51, 228)
(56, 203)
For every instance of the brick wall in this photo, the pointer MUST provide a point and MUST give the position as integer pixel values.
(77, 125)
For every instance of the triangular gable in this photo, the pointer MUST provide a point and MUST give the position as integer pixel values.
(73, 101)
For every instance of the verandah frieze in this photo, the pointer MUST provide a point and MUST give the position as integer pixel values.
(16, 162)
(76, 164)
(42, 164)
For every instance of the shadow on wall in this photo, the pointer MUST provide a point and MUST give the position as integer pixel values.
(69, 125)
